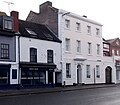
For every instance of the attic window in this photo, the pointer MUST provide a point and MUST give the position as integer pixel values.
(8, 24)
(30, 31)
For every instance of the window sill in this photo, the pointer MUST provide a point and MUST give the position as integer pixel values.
(67, 52)
(67, 28)
(78, 31)
(78, 53)
(89, 54)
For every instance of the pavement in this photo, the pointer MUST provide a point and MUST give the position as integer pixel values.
(4, 93)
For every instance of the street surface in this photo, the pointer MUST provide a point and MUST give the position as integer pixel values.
(98, 96)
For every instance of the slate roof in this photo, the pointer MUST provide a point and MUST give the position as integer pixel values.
(6, 33)
(39, 31)
(111, 40)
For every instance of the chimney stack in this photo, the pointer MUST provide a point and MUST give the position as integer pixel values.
(45, 6)
(15, 16)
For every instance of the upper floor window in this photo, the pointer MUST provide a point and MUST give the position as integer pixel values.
(8, 24)
(98, 49)
(4, 51)
(97, 31)
(78, 46)
(89, 48)
(50, 56)
(117, 52)
(89, 29)
(67, 23)
(113, 52)
(68, 70)
(78, 26)
(67, 41)
(33, 55)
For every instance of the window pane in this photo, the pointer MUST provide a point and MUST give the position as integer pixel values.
(50, 56)
(67, 44)
(33, 55)
(4, 51)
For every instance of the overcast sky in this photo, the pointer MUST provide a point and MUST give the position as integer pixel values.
(105, 12)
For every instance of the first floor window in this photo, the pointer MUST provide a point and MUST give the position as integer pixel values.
(67, 44)
(33, 55)
(78, 46)
(4, 51)
(88, 71)
(97, 71)
(68, 71)
(98, 49)
(50, 56)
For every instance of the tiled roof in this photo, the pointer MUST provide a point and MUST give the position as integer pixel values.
(38, 31)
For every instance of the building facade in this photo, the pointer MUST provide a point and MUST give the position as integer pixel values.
(8, 51)
(82, 46)
(39, 55)
(115, 53)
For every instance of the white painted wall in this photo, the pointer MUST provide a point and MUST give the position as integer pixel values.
(84, 37)
(42, 47)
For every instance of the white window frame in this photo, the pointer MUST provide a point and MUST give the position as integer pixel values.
(78, 46)
(117, 52)
(113, 52)
(89, 29)
(89, 48)
(78, 26)
(98, 49)
(67, 23)
(68, 70)
(97, 71)
(8, 24)
(88, 71)
(67, 44)
(97, 31)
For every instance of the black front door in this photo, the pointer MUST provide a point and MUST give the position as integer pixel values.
(50, 77)
(108, 75)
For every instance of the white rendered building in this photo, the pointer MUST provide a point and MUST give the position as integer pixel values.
(82, 59)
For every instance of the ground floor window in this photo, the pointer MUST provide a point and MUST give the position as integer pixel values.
(68, 70)
(118, 74)
(88, 71)
(33, 76)
(4, 75)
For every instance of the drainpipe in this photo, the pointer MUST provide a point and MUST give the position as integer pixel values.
(94, 75)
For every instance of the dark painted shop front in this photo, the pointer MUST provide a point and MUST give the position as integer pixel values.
(37, 74)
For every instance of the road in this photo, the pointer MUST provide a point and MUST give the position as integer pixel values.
(98, 96)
